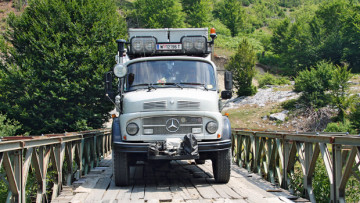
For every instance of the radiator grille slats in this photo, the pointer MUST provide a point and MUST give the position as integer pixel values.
(158, 105)
(158, 124)
(188, 105)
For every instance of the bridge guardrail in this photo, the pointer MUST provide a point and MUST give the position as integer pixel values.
(273, 155)
(60, 151)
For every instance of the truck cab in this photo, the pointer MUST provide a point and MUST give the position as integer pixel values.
(167, 99)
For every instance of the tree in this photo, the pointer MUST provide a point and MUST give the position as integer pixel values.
(242, 65)
(159, 13)
(8, 127)
(232, 14)
(53, 77)
(339, 88)
(198, 12)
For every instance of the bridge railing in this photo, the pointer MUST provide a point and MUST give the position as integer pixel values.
(273, 155)
(68, 155)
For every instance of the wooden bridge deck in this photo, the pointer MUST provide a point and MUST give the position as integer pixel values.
(177, 181)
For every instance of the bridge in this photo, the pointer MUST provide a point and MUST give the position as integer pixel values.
(77, 167)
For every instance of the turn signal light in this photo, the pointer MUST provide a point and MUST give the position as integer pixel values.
(226, 114)
(124, 137)
(218, 136)
(113, 116)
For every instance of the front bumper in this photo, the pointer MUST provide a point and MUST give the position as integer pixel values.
(212, 146)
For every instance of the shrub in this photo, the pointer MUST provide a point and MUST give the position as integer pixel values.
(289, 104)
(269, 79)
(355, 116)
(314, 83)
(340, 127)
(242, 65)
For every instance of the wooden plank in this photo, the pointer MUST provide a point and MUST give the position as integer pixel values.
(87, 186)
(99, 189)
(79, 197)
(124, 194)
(205, 189)
(110, 193)
(224, 190)
(138, 192)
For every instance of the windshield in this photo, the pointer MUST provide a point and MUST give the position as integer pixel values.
(176, 73)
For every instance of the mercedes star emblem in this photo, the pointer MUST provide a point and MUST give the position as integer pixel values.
(172, 125)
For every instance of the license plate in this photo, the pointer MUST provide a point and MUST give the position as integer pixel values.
(168, 47)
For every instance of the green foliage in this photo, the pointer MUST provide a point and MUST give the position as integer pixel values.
(355, 116)
(313, 83)
(269, 79)
(159, 13)
(316, 33)
(339, 88)
(231, 14)
(60, 51)
(8, 127)
(198, 12)
(344, 126)
(289, 104)
(325, 84)
(242, 65)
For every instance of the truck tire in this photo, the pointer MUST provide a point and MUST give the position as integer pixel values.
(221, 163)
(121, 168)
(199, 161)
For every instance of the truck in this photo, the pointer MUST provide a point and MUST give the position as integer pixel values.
(167, 101)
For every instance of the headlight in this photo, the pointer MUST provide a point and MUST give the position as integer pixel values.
(188, 44)
(194, 44)
(143, 45)
(149, 45)
(132, 128)
(119, 70)
(137, 45)
(211, 127)
(199, 44)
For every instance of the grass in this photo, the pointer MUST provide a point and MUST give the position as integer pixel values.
(250, 116)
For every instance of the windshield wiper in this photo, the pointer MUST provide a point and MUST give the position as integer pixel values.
(169, 83)
(194, 83)
(149, 86)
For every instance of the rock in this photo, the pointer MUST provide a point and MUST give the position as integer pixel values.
(261, 105)
(278, 116)
(264, 118)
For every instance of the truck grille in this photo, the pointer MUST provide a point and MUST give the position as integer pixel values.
(163, 125)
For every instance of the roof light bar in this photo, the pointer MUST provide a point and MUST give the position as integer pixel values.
(143, 45)
(194, 44)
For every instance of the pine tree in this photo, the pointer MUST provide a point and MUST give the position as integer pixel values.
(198, 12)
(159, 13)
(242, 65)
(231, 14)
(53, 77)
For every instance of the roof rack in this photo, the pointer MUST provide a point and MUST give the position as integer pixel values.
(168, 41)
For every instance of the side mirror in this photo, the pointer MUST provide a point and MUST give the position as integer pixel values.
(227, 94)
(228, 81)
(108, 85)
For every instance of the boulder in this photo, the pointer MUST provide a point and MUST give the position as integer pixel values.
(278, 117)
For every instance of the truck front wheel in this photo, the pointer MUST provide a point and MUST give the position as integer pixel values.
(121, 168)
(221, 163)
